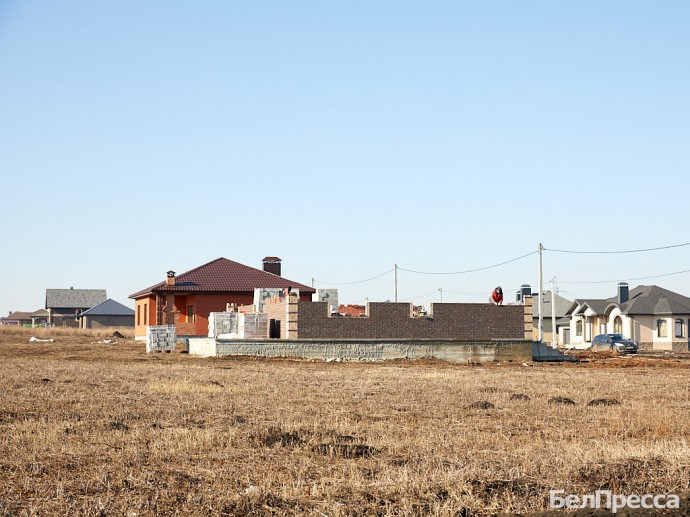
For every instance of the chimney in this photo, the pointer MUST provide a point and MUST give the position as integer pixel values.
(272, 265)
(525, 290)
(170, 280)
(623, 295)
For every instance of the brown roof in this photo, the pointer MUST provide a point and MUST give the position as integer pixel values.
(271, 259)
(18, 315)
(222, 276)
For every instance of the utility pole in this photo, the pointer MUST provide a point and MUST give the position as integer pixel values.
(554, 335)
(540, 306)
(440, 290)
(395, 283)
(312, 281)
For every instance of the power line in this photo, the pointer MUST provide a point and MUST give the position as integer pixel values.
(627, 279)
(620, 251)
(505, 290)
(435, 291)
(468, 270)
(356, 282)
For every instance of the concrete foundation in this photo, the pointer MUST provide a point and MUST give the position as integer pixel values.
(370, 350)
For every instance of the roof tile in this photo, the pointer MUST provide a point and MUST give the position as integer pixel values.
(223, 275)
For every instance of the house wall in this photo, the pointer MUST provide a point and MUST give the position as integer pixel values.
(95, 322)
(591, 326)
(395, 321)
(144, 314)
(65, 317)
(648, 334)
(203, 303)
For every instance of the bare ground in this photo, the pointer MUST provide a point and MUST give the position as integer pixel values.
(88, 428)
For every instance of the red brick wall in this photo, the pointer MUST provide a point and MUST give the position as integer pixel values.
(275, 308)
(394, 321)
(353, 311)
(203, 304)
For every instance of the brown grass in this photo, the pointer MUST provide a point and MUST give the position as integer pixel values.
(93, 429)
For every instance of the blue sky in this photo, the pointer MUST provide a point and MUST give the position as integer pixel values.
(138, 137)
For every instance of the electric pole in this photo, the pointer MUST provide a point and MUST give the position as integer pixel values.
(540, 307)
(395, 283)
(554, 335)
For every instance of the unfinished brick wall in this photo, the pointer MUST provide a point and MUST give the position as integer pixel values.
(394, 321)
(275, 310)
(285, 312)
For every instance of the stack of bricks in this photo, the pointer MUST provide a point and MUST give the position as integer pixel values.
(253, 326)
(528, 316)
(292, 315)
(161, 338)
(223, 323)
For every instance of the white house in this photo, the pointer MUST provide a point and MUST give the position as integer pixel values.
(658, 319)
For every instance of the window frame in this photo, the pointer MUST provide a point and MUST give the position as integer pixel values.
(662, 325)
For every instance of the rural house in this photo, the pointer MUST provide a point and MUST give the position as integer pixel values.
(655, 317)
(19, 318)
(186, 300)
(552, 305)
(107, 314)
(63, 305)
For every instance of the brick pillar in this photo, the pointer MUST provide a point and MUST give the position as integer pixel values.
(291, 316)
(529, 318)
(170, 312)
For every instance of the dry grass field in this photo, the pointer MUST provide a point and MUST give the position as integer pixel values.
(88, 428)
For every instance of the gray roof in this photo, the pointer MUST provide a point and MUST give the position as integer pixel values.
(74, 298)
(597, 305)
(652, 299)
(643, 299)
(562, 304)
(109, 308)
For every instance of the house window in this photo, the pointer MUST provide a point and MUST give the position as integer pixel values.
(146, 314)
(578, 328)
(190, 314)
(661, 328)
(617, 325)
(679, 328)
(138, 314)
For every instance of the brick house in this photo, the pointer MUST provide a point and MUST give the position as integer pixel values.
(186, 300)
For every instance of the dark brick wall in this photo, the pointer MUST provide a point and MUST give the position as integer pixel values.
(394, 321)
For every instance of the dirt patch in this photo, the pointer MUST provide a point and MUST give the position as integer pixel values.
(345, 450)
(480, 404)
(564, 401)
(604, 402)
(622, 476)
(119, 426)
(283, 439)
